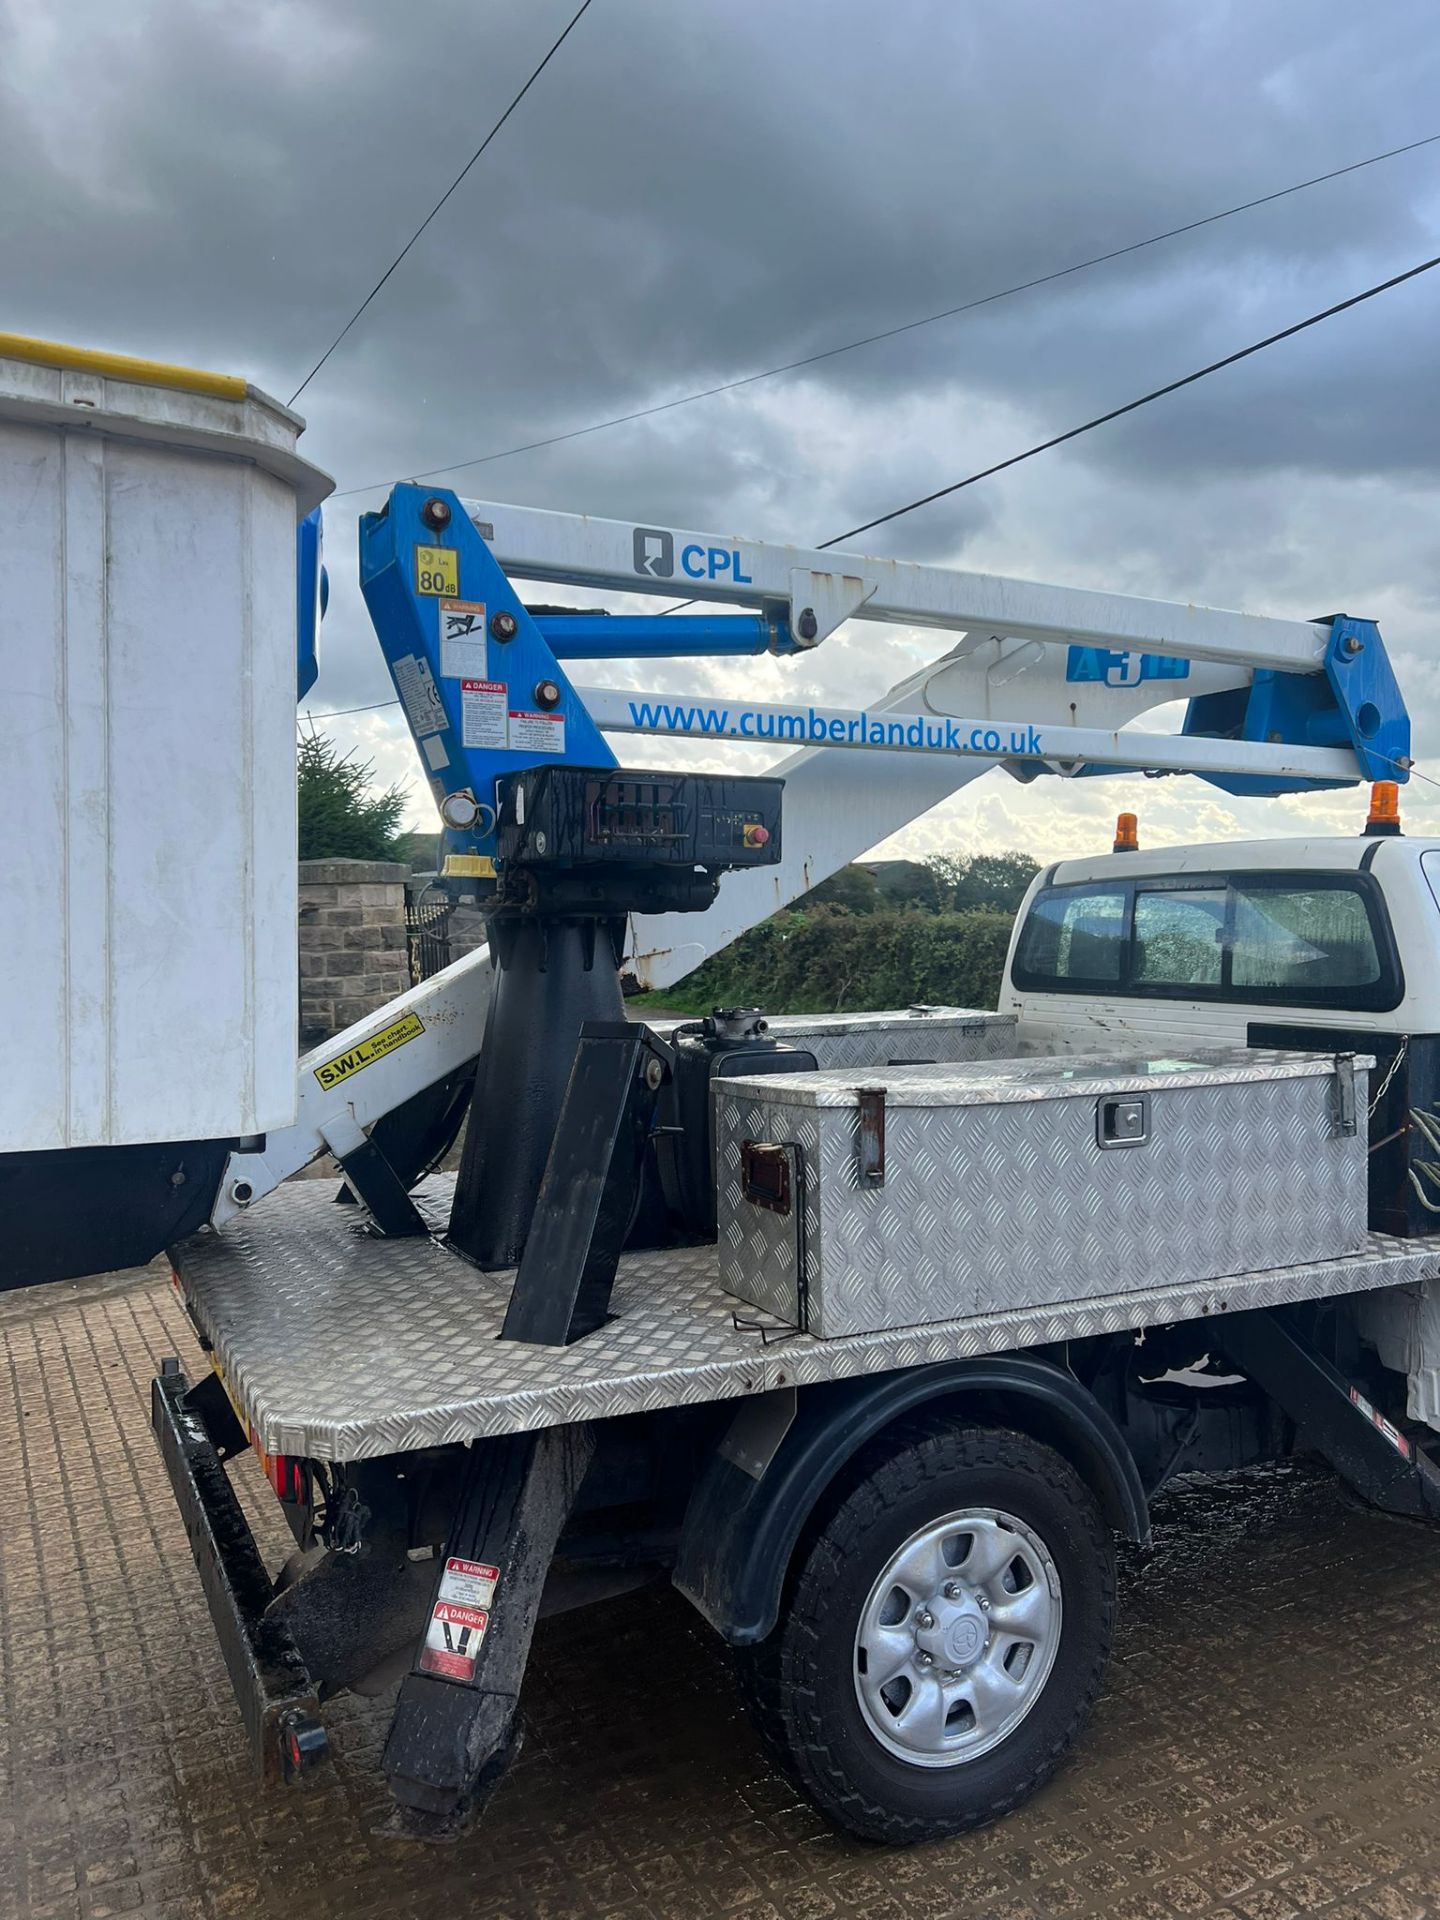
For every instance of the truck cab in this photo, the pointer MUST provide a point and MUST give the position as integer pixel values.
(1320, 942)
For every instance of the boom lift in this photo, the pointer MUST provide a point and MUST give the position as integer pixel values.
(586, 868)
(1041, 682)
(869, 1331)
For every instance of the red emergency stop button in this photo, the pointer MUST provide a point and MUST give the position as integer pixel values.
(752, 834)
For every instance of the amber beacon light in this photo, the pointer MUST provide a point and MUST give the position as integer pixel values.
(1384, 818)
(1127, 833)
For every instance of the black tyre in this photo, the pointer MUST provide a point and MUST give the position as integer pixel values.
(943, 1637)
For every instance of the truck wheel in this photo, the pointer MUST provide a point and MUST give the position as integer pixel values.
(944, 1637)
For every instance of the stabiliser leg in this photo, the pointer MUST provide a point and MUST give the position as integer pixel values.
(1380, 1463)
(553, 975)
(590, 1186)
(453, 1730)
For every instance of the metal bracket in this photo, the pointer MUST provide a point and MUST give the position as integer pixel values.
(1343, 1096)
(1375, 722)
(373, 1180)
(1379, 1461)
(870, 1138)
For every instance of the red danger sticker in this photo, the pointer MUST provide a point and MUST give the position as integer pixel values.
(452, 1640)
(1380, 1423)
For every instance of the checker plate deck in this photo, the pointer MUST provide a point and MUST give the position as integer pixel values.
(342, 1346)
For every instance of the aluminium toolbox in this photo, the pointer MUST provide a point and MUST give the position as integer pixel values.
(852, 1204)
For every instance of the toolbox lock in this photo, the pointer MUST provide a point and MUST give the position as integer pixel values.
(1122, 1120)
(765, 1175)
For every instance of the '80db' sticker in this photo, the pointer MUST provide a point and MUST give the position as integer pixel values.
(437, 570)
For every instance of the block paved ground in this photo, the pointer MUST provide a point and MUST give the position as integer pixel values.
(1268, 1744)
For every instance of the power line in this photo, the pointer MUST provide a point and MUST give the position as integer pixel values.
(535, 75)
(907, 326)
(1074, 433)
(339, 713)
(1158, 393)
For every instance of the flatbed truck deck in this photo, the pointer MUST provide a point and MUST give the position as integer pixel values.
(339, 1344)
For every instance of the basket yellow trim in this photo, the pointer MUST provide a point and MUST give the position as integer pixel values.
(121, 366)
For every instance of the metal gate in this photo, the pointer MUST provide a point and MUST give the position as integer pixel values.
(427, 935)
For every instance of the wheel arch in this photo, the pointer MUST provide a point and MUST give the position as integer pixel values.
(746, 1515)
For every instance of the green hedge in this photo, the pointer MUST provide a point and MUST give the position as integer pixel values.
(826, 960)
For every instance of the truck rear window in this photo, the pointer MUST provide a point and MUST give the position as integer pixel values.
(1293, 939)
(1076, 934)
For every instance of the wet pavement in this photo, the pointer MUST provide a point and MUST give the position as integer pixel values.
(1268, 1744)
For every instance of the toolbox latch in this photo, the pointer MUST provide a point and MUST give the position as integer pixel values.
(1343, 1096)
(870, 1140)
(765, 1175)
(1122, 1120)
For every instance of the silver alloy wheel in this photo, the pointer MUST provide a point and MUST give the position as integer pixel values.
(958, 1637)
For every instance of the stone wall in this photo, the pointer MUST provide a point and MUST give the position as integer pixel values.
(352, 942)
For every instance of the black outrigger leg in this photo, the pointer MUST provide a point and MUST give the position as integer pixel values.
(454, 1727)
(1381, 1463)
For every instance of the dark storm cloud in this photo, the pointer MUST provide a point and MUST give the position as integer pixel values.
(694, 191)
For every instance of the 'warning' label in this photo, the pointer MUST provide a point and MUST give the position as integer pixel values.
(452, 1640)
(537, 732)
(331, 1072)
(463, 654)
(470, 1582)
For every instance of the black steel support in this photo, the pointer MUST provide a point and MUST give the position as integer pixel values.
(272, 1685)
(552, 977)
(589, 1190)
(374, 1181)
(1383, 1465)
(454, 1725)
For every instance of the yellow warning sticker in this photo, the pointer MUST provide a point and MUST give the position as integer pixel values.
(437, 570)
(477, 866)
(410, 1027)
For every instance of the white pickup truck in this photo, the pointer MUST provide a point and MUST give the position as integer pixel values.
(906, 1530)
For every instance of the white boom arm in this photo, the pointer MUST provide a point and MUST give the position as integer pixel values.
(577, 550)
(1006, 687)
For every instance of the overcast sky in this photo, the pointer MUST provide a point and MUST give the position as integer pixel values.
(697, 189)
